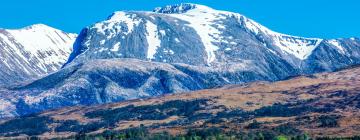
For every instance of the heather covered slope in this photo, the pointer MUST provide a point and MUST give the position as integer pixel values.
(325, 104)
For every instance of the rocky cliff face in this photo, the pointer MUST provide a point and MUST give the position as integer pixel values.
(175, 49)
(32, 52)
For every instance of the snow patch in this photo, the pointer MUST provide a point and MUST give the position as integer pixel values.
(297, 46)
(221, 26)
(113, 24)
(162, 32)
(233, 43)
(102, 42)
(169, 51)
(116, 47)
(177, 40)
(337, 44)
(201, 20)
(152, 38)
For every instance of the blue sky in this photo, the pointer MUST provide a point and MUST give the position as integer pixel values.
(308, 18)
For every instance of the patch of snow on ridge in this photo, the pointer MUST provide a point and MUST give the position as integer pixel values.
(112, 25)
(337, 44)
(116, 47)
(152, 39)
(163, 33)
(201, 20)
(298, 46)
(177, 40)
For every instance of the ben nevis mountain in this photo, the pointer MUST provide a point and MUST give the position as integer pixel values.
(139, 54)
(32, 52)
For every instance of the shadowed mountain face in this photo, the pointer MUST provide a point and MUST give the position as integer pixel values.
(110, 80)
(324, 104)
(32, 52)
(174, 49)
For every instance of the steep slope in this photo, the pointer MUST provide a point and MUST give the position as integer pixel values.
(333, 54)
(32, 52)
(324, 104)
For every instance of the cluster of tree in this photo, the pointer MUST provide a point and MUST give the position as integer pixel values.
(328, 121)
(31, 125)
(151, 112)
(276, 110)
(147, 112)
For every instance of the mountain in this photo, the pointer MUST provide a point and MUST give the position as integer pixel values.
(321, 105)
(199, 35)
(174, 49)
(32, 52)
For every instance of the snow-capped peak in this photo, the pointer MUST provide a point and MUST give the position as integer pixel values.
(32, 51)
(41, 28)
(180, 8)
(37, 26)
(40, 38)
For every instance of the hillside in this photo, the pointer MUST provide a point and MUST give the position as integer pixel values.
(325, 104)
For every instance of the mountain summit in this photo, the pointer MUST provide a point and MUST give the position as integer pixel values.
(179, 8)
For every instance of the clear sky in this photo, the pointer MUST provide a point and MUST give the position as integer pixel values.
(308, 18)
